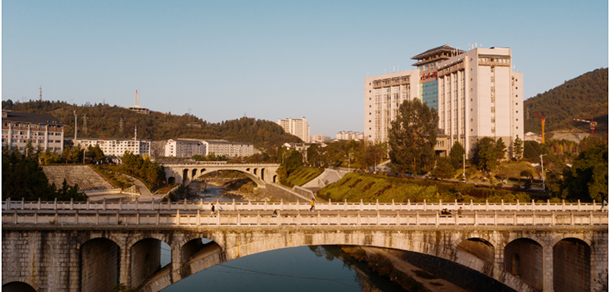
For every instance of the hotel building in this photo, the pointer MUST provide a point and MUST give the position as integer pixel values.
(475, 93)
(42, 130)
(299, 128)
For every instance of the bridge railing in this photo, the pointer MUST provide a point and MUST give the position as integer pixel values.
(302, 205)
(238, 218)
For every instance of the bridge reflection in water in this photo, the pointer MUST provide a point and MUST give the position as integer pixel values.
(528, 247)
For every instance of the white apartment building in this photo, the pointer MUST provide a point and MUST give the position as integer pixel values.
(42, 130)
(117, 147)
(184, 148)
(383, 95)
(319, 138)
(229, 149)
(475, 93)
(299, 128)
(349, 135)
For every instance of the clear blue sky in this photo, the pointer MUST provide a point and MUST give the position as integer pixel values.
(275, 59)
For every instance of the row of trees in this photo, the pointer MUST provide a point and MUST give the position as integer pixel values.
(141, 167)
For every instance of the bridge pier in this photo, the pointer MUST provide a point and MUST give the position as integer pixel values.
(547, 268)
(176, 258)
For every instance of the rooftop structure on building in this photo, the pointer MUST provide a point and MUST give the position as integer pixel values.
(44, 131)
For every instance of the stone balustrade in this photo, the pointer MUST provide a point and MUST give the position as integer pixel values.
(303, 206)
(298, 217)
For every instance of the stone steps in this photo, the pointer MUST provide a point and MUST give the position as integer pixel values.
(83, 175)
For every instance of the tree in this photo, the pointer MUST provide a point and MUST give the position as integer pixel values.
(484, 154)
(444, 168)
(588, 177)
(518, 148)
(457, 154)
(412, 137)
(500, 149)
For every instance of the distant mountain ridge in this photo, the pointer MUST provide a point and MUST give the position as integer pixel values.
(584, 97)
(104, 121)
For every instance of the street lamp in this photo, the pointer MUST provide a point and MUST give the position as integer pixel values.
(464, 166)
(542, 166)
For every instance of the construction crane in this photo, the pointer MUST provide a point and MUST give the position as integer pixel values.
(542, 125)
(591, 122)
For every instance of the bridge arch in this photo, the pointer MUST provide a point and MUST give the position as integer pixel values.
(99, 264)
(250, 243)
(523, 258)
(571, 265)
(18, 286)
(258, 181)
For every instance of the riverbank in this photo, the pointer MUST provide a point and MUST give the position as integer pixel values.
(408, 276)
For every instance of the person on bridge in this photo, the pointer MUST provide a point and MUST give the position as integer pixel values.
(604, 206)
(313, 206)
(212, 204)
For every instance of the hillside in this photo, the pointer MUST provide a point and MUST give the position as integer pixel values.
(583, 97)
(104, 121)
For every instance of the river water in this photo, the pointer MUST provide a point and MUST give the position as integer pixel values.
(295, 269)
(212, 193)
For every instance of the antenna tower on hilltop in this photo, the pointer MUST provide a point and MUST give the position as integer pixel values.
(121, 126)
(40, 93)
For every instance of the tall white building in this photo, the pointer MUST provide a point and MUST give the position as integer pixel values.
(475, 93)
(299, 128)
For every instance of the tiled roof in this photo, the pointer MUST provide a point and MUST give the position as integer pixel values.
(439, 48)
(31, 118)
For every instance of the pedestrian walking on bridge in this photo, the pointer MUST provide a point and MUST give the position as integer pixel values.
(313, 206)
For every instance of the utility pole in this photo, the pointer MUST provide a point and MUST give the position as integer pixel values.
(40, 93)
(75, 125)
(542, 166)
(85, 123)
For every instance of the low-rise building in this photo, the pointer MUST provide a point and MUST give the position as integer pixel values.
(229, 149)
(349, 135)
(44, 131)
(117, 147)
(184, 148)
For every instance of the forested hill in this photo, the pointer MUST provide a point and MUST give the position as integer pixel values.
(104, 121)
(583, 97)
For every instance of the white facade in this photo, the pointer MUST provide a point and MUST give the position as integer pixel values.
(45, 131)
(117, 147)
(383, 95)
(479, 96)
(349, 135)
(184, 148)
(299, 128)
(229, 149)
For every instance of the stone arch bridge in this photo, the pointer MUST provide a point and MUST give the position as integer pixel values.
(184, 173)
(92, 249)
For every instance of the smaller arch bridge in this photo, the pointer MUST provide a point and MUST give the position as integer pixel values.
(184, 173)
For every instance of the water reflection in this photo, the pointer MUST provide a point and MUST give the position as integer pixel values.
(209, 193)
(313, 268)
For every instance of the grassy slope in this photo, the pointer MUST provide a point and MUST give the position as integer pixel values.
(303, 175)
(369, 188)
